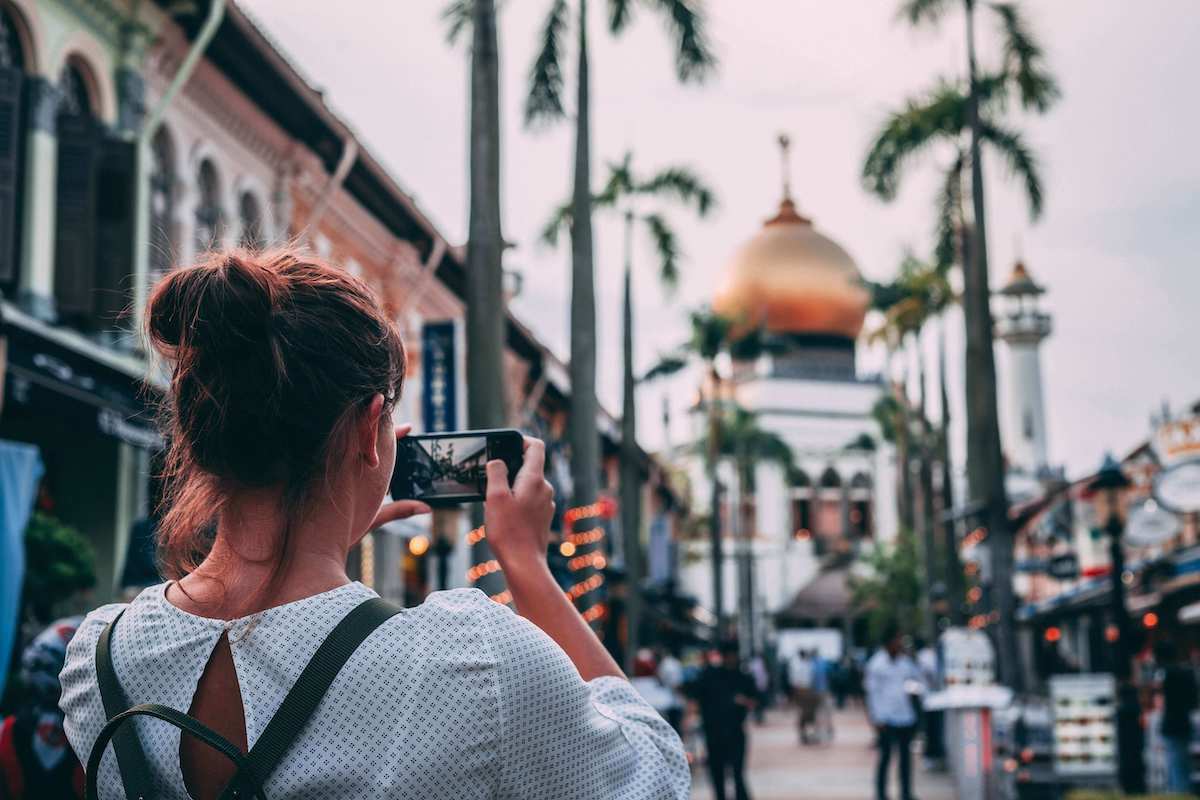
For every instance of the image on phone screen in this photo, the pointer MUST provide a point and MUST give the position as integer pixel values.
(448, 467)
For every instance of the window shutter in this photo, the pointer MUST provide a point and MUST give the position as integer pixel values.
(10, 153)
(74, 237)
(114, 230)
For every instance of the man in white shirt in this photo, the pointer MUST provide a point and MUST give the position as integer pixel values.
(890, 678)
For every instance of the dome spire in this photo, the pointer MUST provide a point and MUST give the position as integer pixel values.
(785, 147)
(787, 207)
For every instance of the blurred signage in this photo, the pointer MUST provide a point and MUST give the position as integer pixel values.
(1150, 524)
(1084, 725)
(1178, 487)
(1063, 567)
(439, 367)
(1177, 441)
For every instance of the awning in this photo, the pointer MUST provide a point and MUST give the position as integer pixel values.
(826, 596)
(44, 373)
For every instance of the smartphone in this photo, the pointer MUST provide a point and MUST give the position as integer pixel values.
(447, 469)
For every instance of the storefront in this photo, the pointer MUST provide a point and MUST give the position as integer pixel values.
(85, 410)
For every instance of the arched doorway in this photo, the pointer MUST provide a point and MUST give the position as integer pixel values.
(13, 66)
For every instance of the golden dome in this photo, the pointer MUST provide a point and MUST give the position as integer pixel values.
(791, 279)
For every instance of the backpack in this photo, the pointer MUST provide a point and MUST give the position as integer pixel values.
(253, 768)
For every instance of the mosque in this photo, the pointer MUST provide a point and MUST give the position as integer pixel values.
(800, 529)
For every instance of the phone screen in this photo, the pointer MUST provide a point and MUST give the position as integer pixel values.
(450, 468)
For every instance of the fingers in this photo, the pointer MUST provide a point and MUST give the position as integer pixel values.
(403, 430)
(497, 479)
(534, 466)
(400, 509)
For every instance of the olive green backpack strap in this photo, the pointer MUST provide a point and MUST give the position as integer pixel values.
(302, 701)
(131, 759)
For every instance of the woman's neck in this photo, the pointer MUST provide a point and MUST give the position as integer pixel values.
(254, 565)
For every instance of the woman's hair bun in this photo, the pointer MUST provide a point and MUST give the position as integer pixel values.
(218, 307)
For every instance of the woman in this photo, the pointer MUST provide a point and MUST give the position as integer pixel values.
(285, 376)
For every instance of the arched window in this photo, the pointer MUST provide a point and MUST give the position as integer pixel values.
(860, 505)
(162, 203)
(252, 222)
(209, 215)
(12, 146)
(75, 207)
(802, 522)
(830, 479)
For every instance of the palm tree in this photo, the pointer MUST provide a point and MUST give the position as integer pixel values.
(969, 116)
(710, 338)
(746, 444)
(626, 191)
(487, 405)
(544, 103)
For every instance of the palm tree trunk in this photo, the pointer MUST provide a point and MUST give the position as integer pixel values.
(925, 478)
(954, 573)
(631, 490)
(485, 308)
(582, 432)
(985, 462)
(716, 549)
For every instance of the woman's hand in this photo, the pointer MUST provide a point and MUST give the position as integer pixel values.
(399, 509)
(518, 518)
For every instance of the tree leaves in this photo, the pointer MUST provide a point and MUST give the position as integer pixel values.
(667, 247)
(457, 16)
(923, 12)
(1021, 161)
(685, 185)
(544, 101)
(1023, 60)
(694, 58)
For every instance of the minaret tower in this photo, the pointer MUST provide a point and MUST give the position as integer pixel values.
(1023, 326)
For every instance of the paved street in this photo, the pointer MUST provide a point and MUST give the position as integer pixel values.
(780, 769)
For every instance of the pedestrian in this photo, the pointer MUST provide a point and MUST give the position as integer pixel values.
(800, 678)
(821, 681)
(670, 675)
(35, 760)
(726, 694)
(889, 676)
(652, 689)
(1177, 684)
(762, 685)
(285, 373)
(840, 680)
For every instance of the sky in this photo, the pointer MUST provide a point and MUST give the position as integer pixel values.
(1116, 247)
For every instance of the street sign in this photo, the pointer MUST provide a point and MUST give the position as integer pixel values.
(1064, 567)
(1177, 441)
(1084, 724)
(1150, 524)
(1177, 487)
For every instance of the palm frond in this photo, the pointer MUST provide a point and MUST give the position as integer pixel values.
(922, 12)
(694, 58)
(544, 101)
(561, 218)
(1021, 161)
(457, 16)
(666, 244)
(620, 12)
(710, 332)
(947, 234)
(1024, 60)
(941, 116)
(666, 366)
(681, 183)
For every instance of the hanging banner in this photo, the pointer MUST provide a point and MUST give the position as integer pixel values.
(439, 377)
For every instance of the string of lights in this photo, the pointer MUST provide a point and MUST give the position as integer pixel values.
(503, 598)
(596, 612)
(479, 570)
(596, 560)
(583, 587)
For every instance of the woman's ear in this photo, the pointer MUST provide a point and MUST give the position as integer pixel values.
(368, 431)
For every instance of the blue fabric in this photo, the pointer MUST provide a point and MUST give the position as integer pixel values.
(1179, 764)
(20, 471)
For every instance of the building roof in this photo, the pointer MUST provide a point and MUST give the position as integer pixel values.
(825, 597)
(245, 53)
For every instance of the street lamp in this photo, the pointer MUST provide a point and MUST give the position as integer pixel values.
(1110, 483)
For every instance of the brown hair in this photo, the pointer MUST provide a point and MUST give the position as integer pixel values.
(272, 354)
